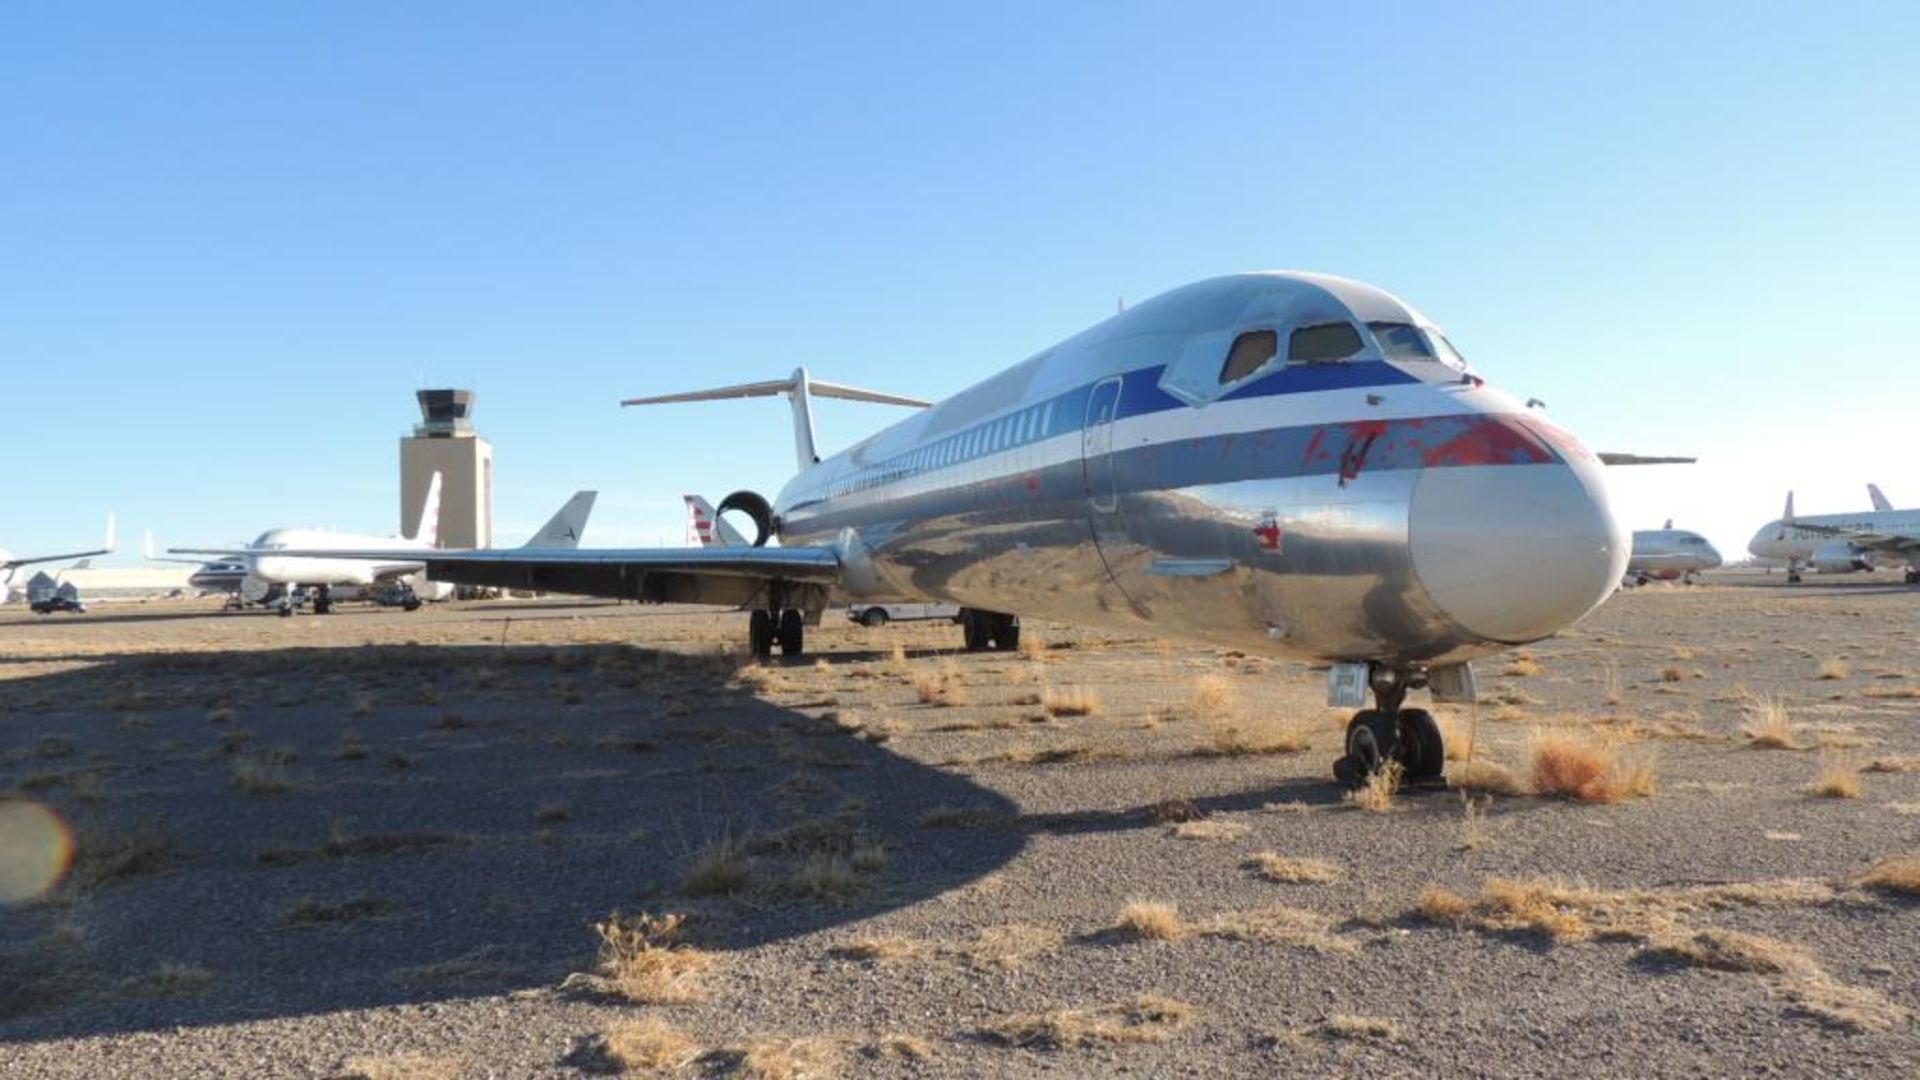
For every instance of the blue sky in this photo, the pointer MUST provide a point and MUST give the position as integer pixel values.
(234, 238)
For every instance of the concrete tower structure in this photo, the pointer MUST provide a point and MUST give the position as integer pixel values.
(444, 441)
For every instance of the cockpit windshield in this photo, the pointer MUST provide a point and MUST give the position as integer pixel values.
(1405, 341)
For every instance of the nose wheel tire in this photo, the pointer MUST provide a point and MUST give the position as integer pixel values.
(1373, 738)
(1423, 753)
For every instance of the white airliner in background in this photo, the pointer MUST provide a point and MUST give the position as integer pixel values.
(316, 567)
(1843, 543)
(9, 563)
(1669, 554)
(1288, 463)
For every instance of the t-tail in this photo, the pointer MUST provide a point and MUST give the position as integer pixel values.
(564, 528)
(800, 389)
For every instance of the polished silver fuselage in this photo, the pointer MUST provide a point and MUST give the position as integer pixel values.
(1373, 508)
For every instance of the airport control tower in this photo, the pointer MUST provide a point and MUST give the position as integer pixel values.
(444, 441)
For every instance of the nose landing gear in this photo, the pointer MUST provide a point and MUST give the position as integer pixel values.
(1389, 733)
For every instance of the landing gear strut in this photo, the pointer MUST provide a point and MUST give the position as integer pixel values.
(1388, 733)
(786, 627)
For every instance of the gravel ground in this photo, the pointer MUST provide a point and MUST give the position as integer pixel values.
(377, 843)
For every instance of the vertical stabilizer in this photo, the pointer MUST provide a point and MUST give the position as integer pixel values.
(564, 528)
(705, 528)
(428, 534)
(1786, 516)
(1880, 500)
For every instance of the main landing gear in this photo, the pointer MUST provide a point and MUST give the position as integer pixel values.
(785, 627)
(985, 630)
(1389, 733)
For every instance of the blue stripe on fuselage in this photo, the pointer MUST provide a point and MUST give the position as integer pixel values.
(1063, 413)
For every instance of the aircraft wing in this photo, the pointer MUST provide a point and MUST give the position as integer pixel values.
(727, 576)
(11, 563)
(1609, 457)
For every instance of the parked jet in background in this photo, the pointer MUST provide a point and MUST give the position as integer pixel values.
(1669, 554)
(8, 563)
(310, 559)
(1287, 463)
(705, 527)
(1843, 543)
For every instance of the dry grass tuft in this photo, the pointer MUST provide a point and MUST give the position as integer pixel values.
(1032, 645)
(1351, 1028)
(554, 811)
(650, 1043)
(1008, 946)
(1147, 921)
(779, 1057)
(1523, 666)
(1768, 724)
(1213, 696)
(400, 1067)
(899, 1047)
(1733, 950)
(261, 773)
(1897, 763)
(1838, 778)
(1489, 777)
(722, 868)
(1580, 767)
(1278, 924)
(897, 660)
(1442, 905)
(1210, 829)
(881, 949)
(1672, 674)
(1895, 874)
(1174, 811)
(1070, 701)
(1458, 737)
(643, 960)
(1288, 871)
(1241, 737)
(1833, 669)
(1148, 1018)
(947, 686)
(1834, 1003)
(1376, 795)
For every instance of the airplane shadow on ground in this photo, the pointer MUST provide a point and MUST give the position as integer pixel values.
(288, 832)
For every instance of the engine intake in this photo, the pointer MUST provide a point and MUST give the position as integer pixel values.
(755, 506)
(1838, 557)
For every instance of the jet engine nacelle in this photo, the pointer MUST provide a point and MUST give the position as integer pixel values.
(755, 506)
(1838, 557)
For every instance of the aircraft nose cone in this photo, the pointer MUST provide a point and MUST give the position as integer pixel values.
(1515, 553)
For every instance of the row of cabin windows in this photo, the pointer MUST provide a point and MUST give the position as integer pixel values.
(1008, 431)
(1324, 343)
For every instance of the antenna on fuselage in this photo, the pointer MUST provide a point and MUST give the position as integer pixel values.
(800, 389)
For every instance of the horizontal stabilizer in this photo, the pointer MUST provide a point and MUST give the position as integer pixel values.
(1610, 458)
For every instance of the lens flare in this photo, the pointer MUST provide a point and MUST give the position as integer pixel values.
(36, 849)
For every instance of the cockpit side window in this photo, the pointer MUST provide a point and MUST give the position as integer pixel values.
(1249, 353)
(1322, 344)
(1402, 341)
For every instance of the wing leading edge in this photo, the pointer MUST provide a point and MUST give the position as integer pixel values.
(726, 576)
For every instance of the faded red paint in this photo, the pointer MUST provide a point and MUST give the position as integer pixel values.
(1490, 440)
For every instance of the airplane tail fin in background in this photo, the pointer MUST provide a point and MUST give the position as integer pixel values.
(706, 528)
(428, 533)
(800, 390)
(565, 527)
(1787, 515)
(1880, 501)
(110, 545)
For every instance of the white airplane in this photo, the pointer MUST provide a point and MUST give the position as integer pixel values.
(706, 528)
(9, 563)
(1669, 554)
(1292, 464)
(1843, 543)
(309, 558)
